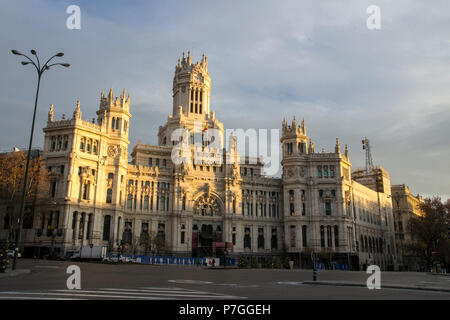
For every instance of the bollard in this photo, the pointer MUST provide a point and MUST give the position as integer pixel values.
(314, 273)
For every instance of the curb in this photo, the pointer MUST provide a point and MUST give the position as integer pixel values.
(389, 286)
(10, 273)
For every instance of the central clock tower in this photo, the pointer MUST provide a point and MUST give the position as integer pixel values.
(191, 87)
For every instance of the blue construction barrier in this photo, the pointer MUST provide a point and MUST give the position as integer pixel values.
(333, 266)
(187, 261)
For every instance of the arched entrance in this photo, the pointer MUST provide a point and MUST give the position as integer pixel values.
(207, 225)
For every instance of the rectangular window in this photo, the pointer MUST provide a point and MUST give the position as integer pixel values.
(336, 236)
(182, 237)
(85, 191)
(292, 236)
(329, 240)
(322, 237)
(109, 195)
(331, 171)
(273, 240)
(328, 208)
(319, 171)
(150, 162)
(292, 209)
(325, 171)
(304, 236)
(53, 190)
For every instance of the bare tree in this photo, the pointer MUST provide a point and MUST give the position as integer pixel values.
(152, 243)
(430, 230)
(12, 172)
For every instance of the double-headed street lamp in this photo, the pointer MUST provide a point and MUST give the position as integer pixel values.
(40, 70)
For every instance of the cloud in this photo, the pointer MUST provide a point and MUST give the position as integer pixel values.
(267, 60)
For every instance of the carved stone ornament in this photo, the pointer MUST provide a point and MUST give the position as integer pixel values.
(112, 151)
(207, 206)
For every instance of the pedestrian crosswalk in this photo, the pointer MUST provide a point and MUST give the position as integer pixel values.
(146, 293)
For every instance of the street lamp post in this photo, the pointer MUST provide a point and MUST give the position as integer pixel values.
(40, 70)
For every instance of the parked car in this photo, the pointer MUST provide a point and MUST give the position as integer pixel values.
(11, 254)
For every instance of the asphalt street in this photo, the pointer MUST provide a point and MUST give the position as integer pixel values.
(47, 280)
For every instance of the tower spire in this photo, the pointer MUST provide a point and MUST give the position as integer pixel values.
(337, 147)
(77, 112)
(50, 113)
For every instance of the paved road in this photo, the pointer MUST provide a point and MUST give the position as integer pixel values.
(47, 280)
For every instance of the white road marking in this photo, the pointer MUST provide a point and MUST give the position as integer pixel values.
(191, 281)
(148, 293)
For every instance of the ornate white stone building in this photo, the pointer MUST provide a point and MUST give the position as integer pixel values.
(100, 197)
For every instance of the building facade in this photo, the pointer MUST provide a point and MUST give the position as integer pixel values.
(406, 205)
(105, 197)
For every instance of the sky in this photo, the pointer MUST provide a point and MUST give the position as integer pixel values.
(267, 60)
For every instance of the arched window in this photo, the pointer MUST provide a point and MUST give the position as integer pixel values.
(106, 227)
(336, 236)
(59, 146)
(322, 236)
(247, 238)
(66, 143)
(260, 238)
(90, 225)
(53, 144)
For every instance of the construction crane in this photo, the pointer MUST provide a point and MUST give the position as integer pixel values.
(369, 162)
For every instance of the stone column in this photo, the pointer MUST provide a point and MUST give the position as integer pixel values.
(77, 227)
(254, 235)
(85, 228)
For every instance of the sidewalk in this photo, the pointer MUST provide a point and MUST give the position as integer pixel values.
(11, 273)
(386, 285)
